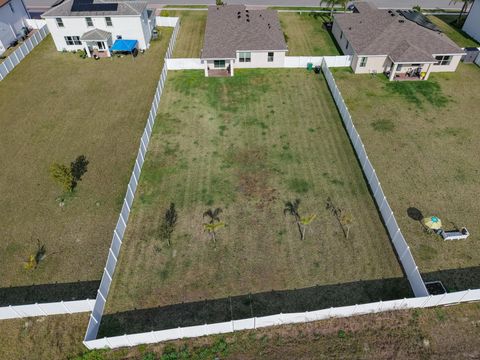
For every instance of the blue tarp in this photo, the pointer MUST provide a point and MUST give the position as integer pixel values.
(124, 45)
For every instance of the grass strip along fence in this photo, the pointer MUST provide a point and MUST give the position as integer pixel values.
(422, 299)
(114, 251)
(403, 250)
(23, 50)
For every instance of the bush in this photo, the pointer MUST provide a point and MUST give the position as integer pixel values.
(164, 13)
(68, 177)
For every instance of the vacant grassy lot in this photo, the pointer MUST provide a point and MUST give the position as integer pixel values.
(247, 145)
(423, 139)
(192, 30)
(54, 107)
(306, 34)
(438, 333)
(448, 24)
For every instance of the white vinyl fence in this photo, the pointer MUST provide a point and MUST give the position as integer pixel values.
(290, 62)
(185, 64)
(281, 319)
(119, 231)
(403, 250)
(332, 61)
(166, 21)
(55, 308)
(23, 50)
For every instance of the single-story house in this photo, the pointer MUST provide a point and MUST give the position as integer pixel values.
(401, 44)
(238, 37)
(13, 14)
(472, 24)
(95, 25)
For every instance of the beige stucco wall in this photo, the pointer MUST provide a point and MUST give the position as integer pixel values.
(343, 41)
(378, 63)
(260, 60)
(447, 68)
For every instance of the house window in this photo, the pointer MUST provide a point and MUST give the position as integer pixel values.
(245, 57)
(219, 64)
(59, 22)
(270, 57)
(108, 20)
(73, 40)
(89, 21)
(443, 60)
(11, 7)
(363, 61)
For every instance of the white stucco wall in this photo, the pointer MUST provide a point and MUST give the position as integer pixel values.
(11, 23)
(472, 24)
(129, 27)
(260, 60)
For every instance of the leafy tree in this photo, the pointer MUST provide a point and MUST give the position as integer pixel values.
(169, 222)
(62, 175)
(213, 214)
(68, 177)
(219, 2)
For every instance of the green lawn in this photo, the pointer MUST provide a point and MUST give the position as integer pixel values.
(54, 107)
(448, 25)
(192, 30)
(306, 34)
(248, 144)
(423, 139)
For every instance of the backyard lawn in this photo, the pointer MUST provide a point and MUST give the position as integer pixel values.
(192, 30)
(54, 107)
(306, 34)
(448, 25)
(247, 145)
(423, 139)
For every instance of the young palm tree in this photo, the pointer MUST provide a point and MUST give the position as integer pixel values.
(213, 214)
(211, 228)
(305, 221)
(332, 3)
(463, 10)
(291, 208)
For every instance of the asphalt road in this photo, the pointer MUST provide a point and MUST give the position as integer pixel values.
(397, 4)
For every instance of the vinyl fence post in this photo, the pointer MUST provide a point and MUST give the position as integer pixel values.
(66, 308)
(41, 310)
(15, 311)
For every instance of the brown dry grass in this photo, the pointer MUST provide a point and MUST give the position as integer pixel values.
(55, 106)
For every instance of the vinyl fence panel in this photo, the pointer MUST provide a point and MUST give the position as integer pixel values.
(45, 309)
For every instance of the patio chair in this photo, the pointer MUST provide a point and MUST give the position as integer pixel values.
(455, 235)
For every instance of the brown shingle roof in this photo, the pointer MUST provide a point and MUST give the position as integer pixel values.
(3, 2)
(373, 31)
(232, 27)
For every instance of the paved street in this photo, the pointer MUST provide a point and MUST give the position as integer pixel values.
(442, 4)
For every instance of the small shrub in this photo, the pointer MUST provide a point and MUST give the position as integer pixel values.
(34, 260)
(219, 2)
(342, 334)
(62, 175)
(169, 221)
(164, 13)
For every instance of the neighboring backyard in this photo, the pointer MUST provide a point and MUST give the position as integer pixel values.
(423, 139)
(192, 30)
(448, 25)
(54, 107)
(247, 145)
(306, 34)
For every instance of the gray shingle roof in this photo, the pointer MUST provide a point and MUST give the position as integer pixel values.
(232, 27)
(96, 35)
(124, 8)
(373, 31)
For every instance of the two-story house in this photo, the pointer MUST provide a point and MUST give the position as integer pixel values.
(95, 25)
(12, 22)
